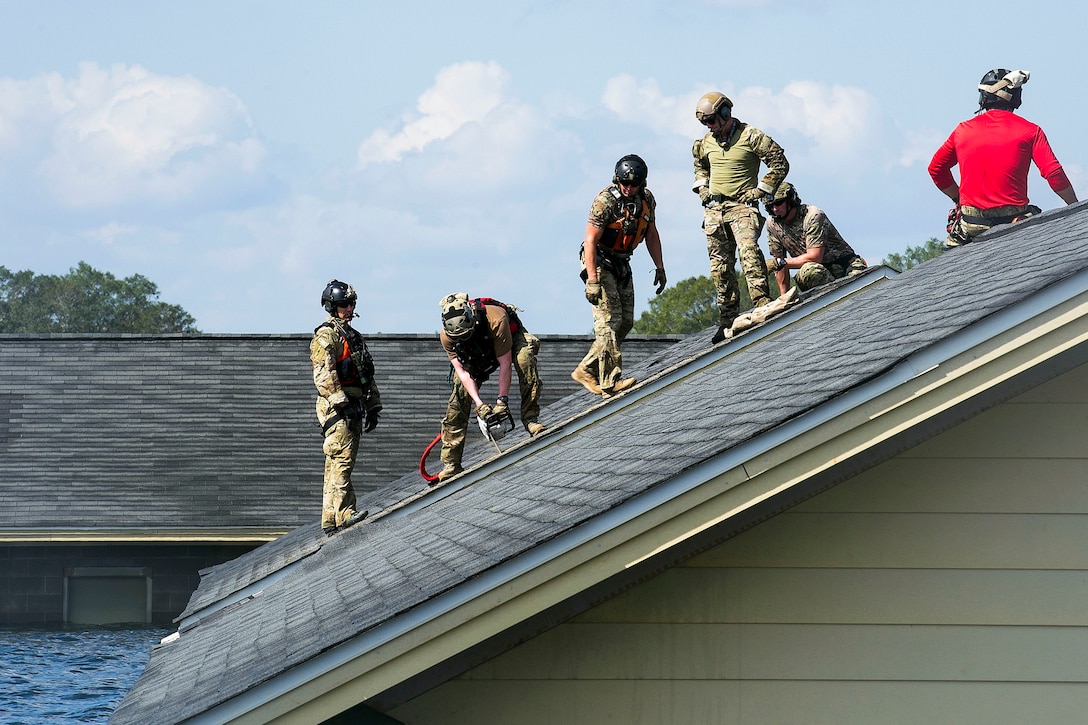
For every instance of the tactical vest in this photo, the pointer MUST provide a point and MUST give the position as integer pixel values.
(624, 234)
(732, 164)
(354, 365)
(477, 352)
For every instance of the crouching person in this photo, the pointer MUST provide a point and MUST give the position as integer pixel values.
(801, 237)
(481, 336)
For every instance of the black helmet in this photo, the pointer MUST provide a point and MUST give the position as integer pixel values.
(1000, 88)
(785, 191)
(630, 168)
(337, 291)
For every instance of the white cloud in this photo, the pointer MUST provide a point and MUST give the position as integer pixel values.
(839, 125)
(835, 118)
(463, 93)
(124, 135)
(646, 104)
(108, 234)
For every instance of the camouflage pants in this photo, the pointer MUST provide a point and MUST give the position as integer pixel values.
(731, 230)
(812, 274)
(613, 318)
(973, 221)
(341, 448)
(455, 423)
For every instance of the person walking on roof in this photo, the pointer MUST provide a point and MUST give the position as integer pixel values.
(801, 237)
(994, 151)
(481, 336)
(348, 401)
(622, 216)
(727, 160)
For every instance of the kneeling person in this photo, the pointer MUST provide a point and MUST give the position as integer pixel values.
(801, 237)
(481, 336)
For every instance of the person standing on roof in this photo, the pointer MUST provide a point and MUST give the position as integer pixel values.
(994, 151)
(348, 401)
(727, 181)
(801, 237)
(481, 336)
(621, 217)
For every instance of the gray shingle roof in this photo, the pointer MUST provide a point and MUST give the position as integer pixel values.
(206, 431)
(371, 573)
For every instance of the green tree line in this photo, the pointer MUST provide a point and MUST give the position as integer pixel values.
(86, 300)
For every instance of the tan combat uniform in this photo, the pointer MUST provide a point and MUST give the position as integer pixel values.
(723, 172)
(614, 313)
(347, 394)
(811, 229)
(499, 340)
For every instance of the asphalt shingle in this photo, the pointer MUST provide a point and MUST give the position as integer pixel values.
(729, 396)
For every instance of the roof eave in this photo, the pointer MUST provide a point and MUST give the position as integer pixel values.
(142, 535)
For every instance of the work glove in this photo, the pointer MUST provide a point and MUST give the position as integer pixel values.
(501, 409)
(593, 292)
(371, 420)
(751, 196)
(704, 196)
(775, 264)
(659, 279)
(484, 411)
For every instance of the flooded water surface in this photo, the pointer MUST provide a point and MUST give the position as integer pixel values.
(68, 674)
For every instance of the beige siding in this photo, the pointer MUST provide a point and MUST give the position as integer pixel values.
(948, 585)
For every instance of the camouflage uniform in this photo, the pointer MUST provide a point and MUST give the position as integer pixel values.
(614, 313)
(523, 348)
(343, 373)
(724, 170)
(967, 222)
(810, 229)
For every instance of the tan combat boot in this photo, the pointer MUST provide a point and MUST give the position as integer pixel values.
(449, 470)
(619, 387)
(583, 376)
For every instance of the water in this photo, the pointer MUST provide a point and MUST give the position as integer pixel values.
(69, 674)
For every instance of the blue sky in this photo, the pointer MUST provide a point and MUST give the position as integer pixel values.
(240, 154)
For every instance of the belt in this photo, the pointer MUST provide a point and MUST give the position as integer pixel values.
(984, 219)
(989, 221)
(719, 199)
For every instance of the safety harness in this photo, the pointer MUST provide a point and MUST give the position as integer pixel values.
(628, 231)
(354, 369)
(620, 238)
(476, 353)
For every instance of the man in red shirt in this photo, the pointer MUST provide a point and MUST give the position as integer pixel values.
(994, 151)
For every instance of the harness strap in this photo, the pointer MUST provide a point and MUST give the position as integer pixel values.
(354, 413)
(331, 422)
(990, 221)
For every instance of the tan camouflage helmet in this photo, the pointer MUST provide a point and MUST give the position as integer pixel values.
(713, 103)
(785, 191)
(458, 318)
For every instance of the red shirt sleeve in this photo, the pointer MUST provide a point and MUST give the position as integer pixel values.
(1048, 164)
(940, 167)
